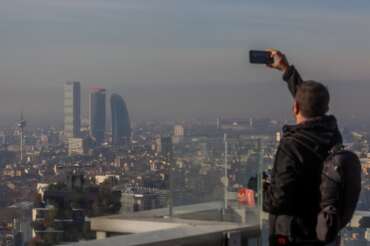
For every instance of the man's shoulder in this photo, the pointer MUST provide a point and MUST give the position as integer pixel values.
(306, 145)
(294, 140)
(287, 143)
(298, 146)
(290, 147)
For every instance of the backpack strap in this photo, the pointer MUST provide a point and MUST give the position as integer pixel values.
(334, 149)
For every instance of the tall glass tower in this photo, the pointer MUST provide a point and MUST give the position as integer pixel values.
(72, 109)
(97, 114)
(121, 128)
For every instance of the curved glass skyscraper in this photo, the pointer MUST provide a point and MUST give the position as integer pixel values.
(121, 128)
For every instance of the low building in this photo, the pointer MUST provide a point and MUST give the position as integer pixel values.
(77, 146)
(41, 188)
(134, 199)
(99, 179)
(44, 225)
(12, 226)
(357, 232)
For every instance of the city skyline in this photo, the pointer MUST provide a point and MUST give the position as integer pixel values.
(246, 103)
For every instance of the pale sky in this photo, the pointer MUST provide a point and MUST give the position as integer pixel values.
(174, 58)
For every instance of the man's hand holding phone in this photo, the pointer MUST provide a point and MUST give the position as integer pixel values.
(271, 57)
(280, 62)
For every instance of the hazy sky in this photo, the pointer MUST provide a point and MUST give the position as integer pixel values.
(175, 58)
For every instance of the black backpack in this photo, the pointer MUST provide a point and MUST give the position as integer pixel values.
(340, 187)
(340, 190)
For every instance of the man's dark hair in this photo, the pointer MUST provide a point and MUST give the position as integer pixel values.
(313, 99)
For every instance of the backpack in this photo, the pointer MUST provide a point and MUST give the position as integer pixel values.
(340, 188)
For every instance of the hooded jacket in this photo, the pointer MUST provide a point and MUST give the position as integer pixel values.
(292, 198)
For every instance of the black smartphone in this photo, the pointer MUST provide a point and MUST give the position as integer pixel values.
(260, 57)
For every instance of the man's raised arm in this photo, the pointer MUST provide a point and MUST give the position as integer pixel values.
(290, 74)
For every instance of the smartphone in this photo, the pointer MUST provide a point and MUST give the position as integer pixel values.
(260, 57)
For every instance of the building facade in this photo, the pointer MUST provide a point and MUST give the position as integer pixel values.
(178, 131)
(77, 146)
(135, 199)
(72, 109)
(121, 127)
(178, 134)
(97, 114)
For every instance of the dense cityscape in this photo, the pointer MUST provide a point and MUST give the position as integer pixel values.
(54, 181)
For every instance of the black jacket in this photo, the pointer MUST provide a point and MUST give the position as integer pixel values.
(292, 198)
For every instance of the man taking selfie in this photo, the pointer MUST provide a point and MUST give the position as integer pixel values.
(292, 197)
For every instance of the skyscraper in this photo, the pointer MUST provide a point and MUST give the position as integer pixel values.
(72, 109)
(97, 114)
(121, 129)
(178, 134)
(167, 148)
(178, 131)
(21, 125)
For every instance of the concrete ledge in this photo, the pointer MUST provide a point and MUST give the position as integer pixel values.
(193, 225)
(185, 236)
(130, 225)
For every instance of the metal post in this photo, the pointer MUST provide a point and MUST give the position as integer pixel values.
(260, 186)
(170, 160)
(170, 202)
(226, 185)
(259, 174)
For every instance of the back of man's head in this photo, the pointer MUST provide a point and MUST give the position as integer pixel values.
(313, 99)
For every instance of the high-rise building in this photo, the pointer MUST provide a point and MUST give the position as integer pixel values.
(72, 109)
(178, 134)
(179, 131)
(121, 128)
(164, 146)
(77, 146)
(97, 114)
(21, 125)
